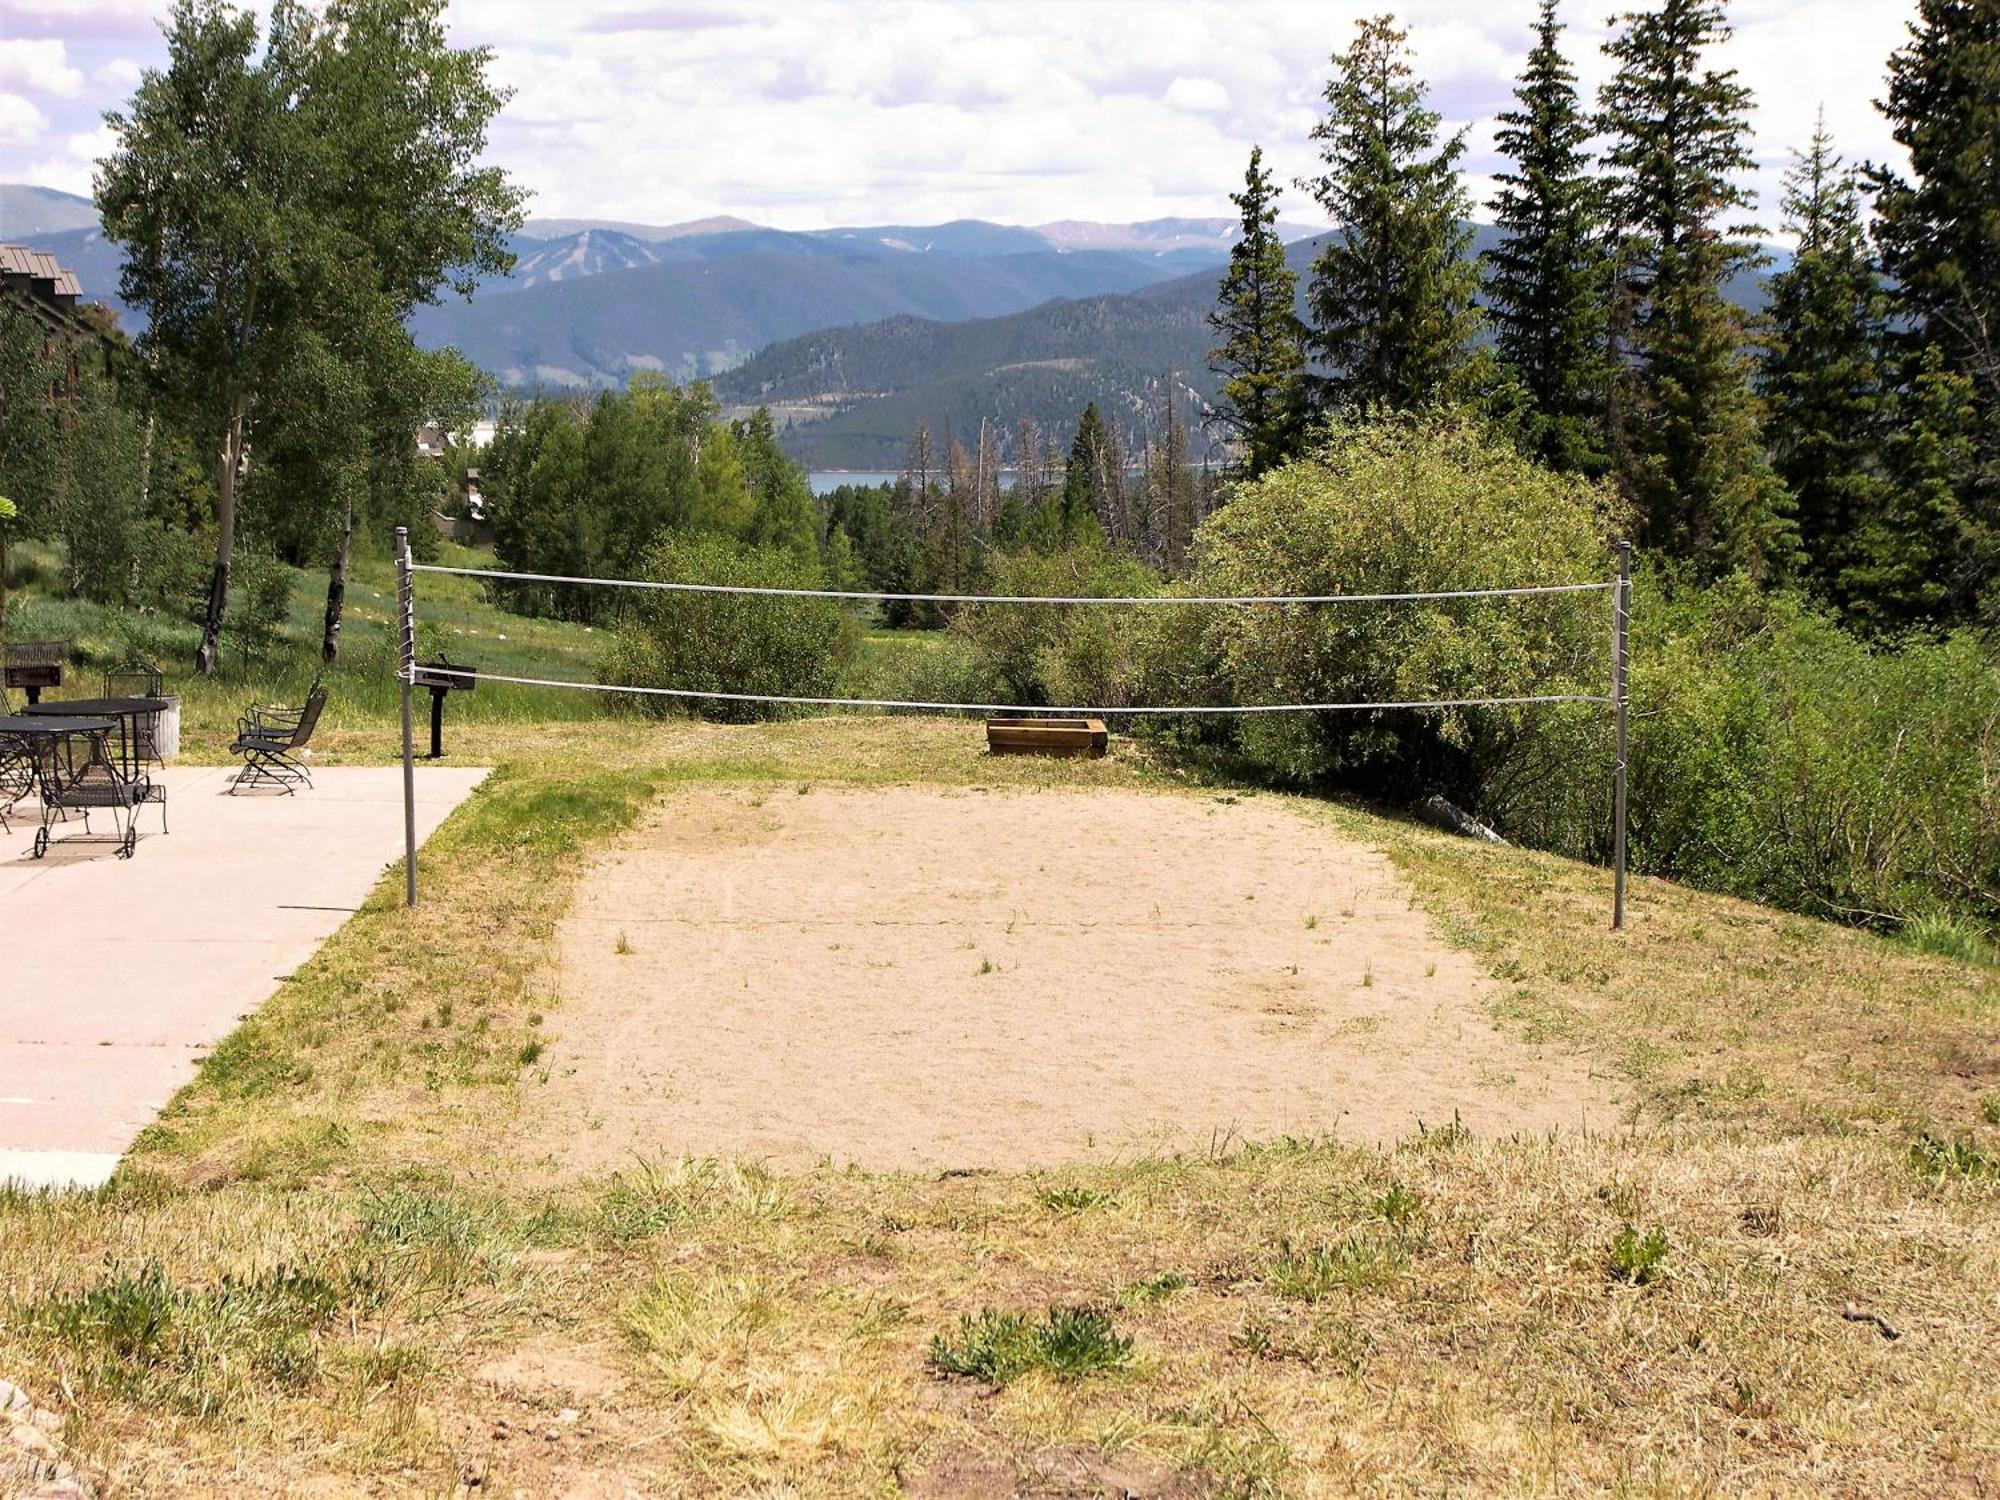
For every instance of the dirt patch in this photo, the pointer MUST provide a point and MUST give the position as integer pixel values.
(922, 978)
(547, 1371)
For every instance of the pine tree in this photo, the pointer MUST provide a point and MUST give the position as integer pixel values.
(1939, 233)
(1822, 376)
(1685, 441)
(1261, 358)
(1392, 294)
(1078, 503)
(1904, 559)
(1547, 279)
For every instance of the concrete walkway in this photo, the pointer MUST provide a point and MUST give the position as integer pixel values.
(118, 976)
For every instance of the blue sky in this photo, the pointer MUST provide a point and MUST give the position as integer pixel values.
(809, 113)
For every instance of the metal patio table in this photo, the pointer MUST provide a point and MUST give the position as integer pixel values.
(67, 781)
(131, 717)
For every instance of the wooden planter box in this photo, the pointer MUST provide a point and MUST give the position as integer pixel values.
(1046, 736)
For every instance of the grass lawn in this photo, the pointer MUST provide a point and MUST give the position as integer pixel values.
(338, 1260)
(454, 617)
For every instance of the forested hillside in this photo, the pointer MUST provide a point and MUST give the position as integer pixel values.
(694, 316)
(849, 397)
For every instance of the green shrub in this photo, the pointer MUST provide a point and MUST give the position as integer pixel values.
(997, 1347)
(1777, 757)
(920, 666)
(1438, 503)
(1933, 1156)
(732, 643)
(1636, 1258)
(1946, 936)
(1079, 654)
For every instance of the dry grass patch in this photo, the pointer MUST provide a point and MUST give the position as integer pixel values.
(338, 1259)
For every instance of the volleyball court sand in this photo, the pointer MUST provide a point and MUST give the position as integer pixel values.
(936, 978)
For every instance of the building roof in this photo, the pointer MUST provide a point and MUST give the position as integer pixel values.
(31, 278)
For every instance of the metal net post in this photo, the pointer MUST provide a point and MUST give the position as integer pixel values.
(1621, 635)
(406, 673)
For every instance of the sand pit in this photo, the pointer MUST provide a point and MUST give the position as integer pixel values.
(926, 978)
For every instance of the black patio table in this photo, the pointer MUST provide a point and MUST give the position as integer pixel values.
(51, 726)
(124, 714)
(66, 781)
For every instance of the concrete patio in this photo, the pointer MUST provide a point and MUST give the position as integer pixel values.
(117, 976)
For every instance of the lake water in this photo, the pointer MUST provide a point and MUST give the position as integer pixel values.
(825, 480)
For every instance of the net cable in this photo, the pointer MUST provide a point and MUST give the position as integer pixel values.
(1155, 600)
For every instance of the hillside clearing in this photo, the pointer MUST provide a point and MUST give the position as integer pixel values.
(331, 1265)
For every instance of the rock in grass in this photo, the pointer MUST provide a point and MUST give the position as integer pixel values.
(1442, 814)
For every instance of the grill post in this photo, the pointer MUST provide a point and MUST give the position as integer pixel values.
(1621, 638)
(406, 672)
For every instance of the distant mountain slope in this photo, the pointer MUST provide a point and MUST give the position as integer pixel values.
(696, 316)
(706, 295)
(851, 397)
(562, 229)
(31, 212)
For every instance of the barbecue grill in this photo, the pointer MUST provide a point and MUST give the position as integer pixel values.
(441, 677)
(33, 665)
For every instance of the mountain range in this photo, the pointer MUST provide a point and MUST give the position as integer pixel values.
(853, 335)
(592, 301)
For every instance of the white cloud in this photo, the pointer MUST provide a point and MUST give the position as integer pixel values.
(805, 113)
(119, 76)
(38, 67)
(1199, 95)
(20, 122)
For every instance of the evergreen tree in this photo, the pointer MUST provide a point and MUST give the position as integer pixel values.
(1904, 558)
(1822, 376)
(1261, 358)
(783, 512)
(1081, 500)
(1939, 233)
(1547, 279)
(1685, 441)
(1392, 293)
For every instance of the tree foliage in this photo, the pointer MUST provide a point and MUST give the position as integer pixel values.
(1822, 375)
(1939, 232)
(1391, 297)
(585, 490)
(1684, 429)
(1547, 279)
(284, 201)
(1261, 358)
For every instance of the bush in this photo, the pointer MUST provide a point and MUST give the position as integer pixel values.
(733, 643)
(1063, 653)
(1773, 756)
(1777, 757)
(1437, 503)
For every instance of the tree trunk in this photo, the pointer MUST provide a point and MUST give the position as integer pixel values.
(336, 584)
(225, 540)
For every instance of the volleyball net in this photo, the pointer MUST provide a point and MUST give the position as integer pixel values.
(1618, 588)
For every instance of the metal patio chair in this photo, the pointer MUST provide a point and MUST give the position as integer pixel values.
(280, 718)
(84, 783)
(134, 678)
(17, 768)
(273, 749)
